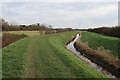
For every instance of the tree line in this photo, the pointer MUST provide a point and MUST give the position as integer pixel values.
(6, 27)
(108, 31)
(34, 27)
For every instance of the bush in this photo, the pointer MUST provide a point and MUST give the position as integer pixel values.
(10, 38)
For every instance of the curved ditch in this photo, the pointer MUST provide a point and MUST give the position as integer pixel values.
(71, 47)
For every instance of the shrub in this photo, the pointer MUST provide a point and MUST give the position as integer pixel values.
(10, 38)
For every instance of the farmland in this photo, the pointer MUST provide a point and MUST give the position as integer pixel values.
(44, 56)
(95, 41)
(28, 33)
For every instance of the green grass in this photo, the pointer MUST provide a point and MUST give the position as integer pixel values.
(28, 33)
(96, 40)
(45, 56)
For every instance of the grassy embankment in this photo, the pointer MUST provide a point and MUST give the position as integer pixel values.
(44, 56)
(95, 41)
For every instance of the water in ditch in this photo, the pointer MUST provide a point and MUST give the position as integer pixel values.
(71, 47)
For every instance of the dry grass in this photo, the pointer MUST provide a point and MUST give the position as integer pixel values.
(28, 33)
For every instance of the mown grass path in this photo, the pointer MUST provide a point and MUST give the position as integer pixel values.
(45, 57)
(30, 70)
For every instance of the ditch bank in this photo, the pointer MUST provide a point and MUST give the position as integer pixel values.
(71, 39)
(107, 63)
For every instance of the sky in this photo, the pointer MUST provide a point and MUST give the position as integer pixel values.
(62, 14)
(59, 0)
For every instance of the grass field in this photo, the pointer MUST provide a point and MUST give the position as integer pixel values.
(28, 33)
(44, 56)
(96, 40)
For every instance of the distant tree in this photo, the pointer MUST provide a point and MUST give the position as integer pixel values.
(5, 25)
(38, 24)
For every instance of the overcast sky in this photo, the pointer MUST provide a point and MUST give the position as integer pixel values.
(62, 14)
(59, 0)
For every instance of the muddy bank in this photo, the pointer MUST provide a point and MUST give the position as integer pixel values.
(110, 64)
